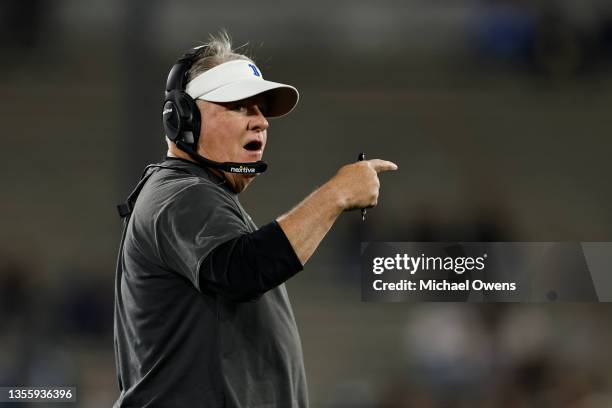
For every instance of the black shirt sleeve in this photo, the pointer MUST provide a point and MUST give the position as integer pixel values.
(192, 223)
(246, 267)
(203, 236)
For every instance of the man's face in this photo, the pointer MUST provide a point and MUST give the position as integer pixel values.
(234, 131)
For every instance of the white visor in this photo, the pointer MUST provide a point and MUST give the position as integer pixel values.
(240, 79)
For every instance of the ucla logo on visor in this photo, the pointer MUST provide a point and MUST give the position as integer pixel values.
(255, 71)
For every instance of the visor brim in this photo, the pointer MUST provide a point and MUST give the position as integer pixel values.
(282, 98)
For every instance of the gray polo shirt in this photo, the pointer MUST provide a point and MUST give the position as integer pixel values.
(178, 341)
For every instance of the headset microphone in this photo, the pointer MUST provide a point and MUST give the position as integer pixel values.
(230, 167)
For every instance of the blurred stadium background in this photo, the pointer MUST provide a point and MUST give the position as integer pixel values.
(497, 112)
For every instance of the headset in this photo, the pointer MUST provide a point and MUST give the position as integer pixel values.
(182, 120)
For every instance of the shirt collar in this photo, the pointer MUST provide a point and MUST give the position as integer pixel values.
(196, 170)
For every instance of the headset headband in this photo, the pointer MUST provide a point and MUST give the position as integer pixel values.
(177, 78)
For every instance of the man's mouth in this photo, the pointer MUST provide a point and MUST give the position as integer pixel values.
(253, 146)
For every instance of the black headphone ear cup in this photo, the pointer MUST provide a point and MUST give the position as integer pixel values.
(181, 118)
(171, 120)
(172, 116)
(190, 118)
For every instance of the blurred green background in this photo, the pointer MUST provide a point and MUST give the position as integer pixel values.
(497, 113)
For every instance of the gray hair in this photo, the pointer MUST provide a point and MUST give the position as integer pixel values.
(216, 51)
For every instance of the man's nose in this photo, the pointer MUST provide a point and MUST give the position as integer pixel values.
(257, 119)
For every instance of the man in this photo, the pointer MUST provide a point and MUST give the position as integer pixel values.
(202, 317)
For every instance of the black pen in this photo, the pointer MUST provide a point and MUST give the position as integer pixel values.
(363, 210)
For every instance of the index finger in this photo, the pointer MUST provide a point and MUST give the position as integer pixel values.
(382, 165)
